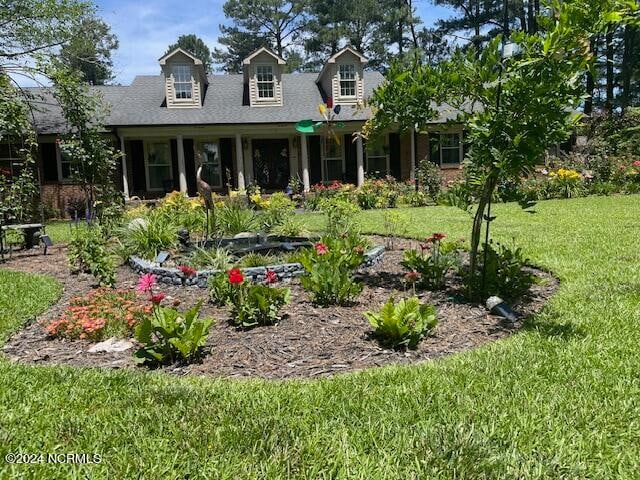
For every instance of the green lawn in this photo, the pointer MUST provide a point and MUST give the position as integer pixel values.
(558, 400)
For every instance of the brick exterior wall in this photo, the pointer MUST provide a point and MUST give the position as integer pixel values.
(56, 196)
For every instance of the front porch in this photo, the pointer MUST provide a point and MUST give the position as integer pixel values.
(159, 160)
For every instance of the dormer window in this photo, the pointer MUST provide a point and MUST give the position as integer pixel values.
(347, 74)
(265, 83)
(182, 82)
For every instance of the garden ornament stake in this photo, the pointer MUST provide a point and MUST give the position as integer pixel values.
(488, 218)
(204, 189)
(329, 113)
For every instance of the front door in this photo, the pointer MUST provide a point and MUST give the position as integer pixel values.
(271, 163)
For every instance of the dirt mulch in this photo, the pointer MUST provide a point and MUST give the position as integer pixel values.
(309, 341)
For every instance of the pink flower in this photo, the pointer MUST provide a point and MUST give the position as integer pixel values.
(321, 248)
(146, 282)
(157, 298)
(188, 271)
(271, 277)
(636, 163)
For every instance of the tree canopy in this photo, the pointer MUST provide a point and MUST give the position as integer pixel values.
(89, 51)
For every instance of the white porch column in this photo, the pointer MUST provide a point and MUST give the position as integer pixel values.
(240, 162)
(182, 170)
(412, 173)
(304, 152)
(125, 176)
(360, 160)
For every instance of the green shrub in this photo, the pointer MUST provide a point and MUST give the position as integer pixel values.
(256, 304)
(505, 275)
(430, 263)
(255, 259)
(329, 269)
(402, 324)
(341, 217)
(236, 217)
(145, 237)
(213, 258)
(277, 210)
(168, 334)
(88, 252)
(219, 288)
(429, 178)
(290, 227)
(378, 193)
(394, 224)
(182, 211)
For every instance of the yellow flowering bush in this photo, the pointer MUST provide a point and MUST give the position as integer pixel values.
(566, 183)
(139, 211)
(566, 174)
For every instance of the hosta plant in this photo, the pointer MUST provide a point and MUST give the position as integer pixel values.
(168, 334)
(256, 304)
(329, 270)
(403, 324)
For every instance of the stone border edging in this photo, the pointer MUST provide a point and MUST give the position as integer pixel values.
(173, 276)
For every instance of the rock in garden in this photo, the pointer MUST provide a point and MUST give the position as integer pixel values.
(111, 345)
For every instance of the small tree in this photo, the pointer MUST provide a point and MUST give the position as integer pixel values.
(514, 109)
(92, 157)
(18, 189)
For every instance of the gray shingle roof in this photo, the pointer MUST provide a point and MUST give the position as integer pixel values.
(223, 102)
(142, 104)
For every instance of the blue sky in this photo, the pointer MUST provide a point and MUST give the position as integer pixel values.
(145, 29)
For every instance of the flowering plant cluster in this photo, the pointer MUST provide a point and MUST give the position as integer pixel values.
(429, 265)
(567, 182)
(100, 314)
(329, 269)
(255, 303)
(168, 334)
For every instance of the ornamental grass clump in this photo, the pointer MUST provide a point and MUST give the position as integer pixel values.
(255, 303)
(101, 314)
(402, 324)
(329, 270)
(168, 334)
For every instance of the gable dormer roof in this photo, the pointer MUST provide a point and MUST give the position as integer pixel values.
(363, 60)
(279, 60)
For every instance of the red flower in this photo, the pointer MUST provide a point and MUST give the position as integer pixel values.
(425, 246)
(636, 163)
(321, 248)
(436, 237)
(146, 282)
(188, 271)
(235, 276)
(157, 298)
(271, 277)
(329, 102)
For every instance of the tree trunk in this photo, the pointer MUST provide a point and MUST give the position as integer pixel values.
(588, 103)
(627, 67)
(609, 72)
(476, 231)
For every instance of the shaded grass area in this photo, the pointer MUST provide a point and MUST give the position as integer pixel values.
(558, 400)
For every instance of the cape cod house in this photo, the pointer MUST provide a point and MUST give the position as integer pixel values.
(244, 129)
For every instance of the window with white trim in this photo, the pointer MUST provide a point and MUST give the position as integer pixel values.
(65, 166)
(182, 81)
(450, 149)
(265, 81)
(347, 76)
(332, 160)
(211, 166)
(158, 165)
(377, 159)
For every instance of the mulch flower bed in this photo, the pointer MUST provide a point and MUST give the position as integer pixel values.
(309, 341)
